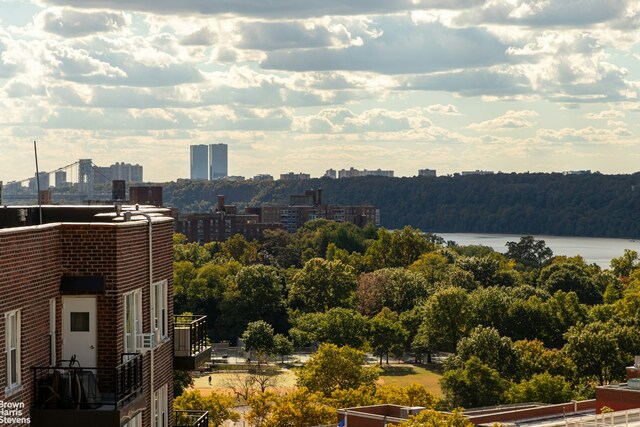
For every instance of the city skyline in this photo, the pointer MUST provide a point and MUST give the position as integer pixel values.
(501, 85)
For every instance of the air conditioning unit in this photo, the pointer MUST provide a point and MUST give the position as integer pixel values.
(146, 341)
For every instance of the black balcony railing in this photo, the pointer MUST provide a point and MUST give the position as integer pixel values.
(88, 388)
(195, 340)
(191, 418)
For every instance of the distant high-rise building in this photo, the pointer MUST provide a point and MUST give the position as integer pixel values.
(476, 172)
(426, 172)
(218, 161)
(331, 173)
(263, 177)
(61, 179)
(355, 173)
(199, 162)
(126, 171)
(290, 176)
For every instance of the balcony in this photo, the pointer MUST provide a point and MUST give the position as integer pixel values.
(191, 418)
(190, 348)
(80, 396)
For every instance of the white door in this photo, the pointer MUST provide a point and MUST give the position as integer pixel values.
(79, 330)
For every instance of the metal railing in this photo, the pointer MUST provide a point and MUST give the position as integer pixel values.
(197, 326)
(191, 418)
(88, 388)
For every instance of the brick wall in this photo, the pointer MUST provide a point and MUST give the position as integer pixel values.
(29, 276)
(32, 262)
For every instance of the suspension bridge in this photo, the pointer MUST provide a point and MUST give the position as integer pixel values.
(76, 183)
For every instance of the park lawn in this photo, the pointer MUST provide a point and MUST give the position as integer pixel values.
(404, 374)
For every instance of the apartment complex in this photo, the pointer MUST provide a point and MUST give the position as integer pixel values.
(86, 317)
(118, 171)
(355, 173)
(225, 220)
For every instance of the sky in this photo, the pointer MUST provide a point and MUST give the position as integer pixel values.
(308, 85)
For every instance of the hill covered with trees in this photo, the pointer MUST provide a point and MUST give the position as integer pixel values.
(532, 203)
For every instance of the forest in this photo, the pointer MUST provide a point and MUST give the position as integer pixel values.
(518, 326)
(595, 204)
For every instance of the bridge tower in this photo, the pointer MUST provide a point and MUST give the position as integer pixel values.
(85, 178)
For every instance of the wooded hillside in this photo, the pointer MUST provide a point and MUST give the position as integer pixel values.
(531, 203)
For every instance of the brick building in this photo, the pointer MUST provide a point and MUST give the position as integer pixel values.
(225, 220)
(86, 316)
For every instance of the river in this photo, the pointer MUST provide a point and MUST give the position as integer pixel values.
(593, 249)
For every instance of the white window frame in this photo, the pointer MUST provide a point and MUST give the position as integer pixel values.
(12, 351)
(133, 321)
(52, 331)
(160, 417)
(159, 308)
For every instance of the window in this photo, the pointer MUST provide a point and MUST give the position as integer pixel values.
(160, 418)
(159, 322)
(52, 331)
(132, 319)
(12, 349)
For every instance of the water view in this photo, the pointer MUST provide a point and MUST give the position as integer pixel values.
(592, 249)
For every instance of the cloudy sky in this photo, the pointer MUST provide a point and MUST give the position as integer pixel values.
(307, 85)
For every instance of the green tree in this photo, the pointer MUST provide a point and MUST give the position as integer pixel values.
(333, 367)
(322, 285)
(218, 405)
(432, 266)
(239, 249)
(544, 387)
(601, 350)
(474, 385)
(489, 347)
(396, 288)
(300, 408)
(255, 293)
(387, 334)
(399, 248)
(282, 346)
(432, 418)
(445, 319)
(410, 395)
(529, 252)
(181, 381)
(533, 358)
(258, 338)
(571, 276)
(626, 264)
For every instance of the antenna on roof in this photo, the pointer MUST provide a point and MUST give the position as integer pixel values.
(35, 149)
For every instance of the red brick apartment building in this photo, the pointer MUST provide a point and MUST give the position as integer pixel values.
(225, 220)
(86, 318)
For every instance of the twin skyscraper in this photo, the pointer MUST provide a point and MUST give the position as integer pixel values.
(209, 161)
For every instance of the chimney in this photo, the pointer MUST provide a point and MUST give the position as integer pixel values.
(220, 207)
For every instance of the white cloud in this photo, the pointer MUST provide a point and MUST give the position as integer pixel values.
(400, 47)
(73, 23)
(445, 110)
(508, 121)
(272, 9)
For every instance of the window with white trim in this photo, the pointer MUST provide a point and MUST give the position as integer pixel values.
(12, 349)
(132, 319)
(52, 332)
(160, 416)
(159, 321)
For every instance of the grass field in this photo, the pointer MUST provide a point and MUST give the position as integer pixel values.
(404, 375)
(396, 374)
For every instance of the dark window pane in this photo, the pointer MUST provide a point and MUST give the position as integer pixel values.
(80, 322)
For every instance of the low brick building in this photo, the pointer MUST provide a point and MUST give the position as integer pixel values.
(86, 316)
